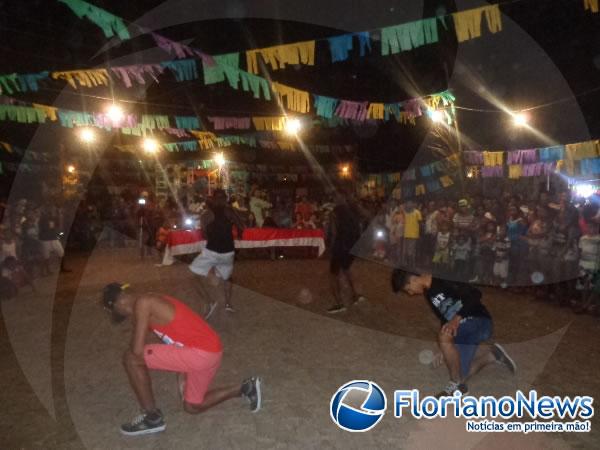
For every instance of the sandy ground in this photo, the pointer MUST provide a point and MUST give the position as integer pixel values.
(64, 387)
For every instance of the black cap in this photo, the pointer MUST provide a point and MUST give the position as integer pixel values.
(110, 294)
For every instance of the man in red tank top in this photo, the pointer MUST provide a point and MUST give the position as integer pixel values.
(190, 347)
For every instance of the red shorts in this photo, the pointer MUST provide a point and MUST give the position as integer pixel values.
(199, 366)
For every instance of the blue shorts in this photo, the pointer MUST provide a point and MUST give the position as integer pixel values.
(471, 332)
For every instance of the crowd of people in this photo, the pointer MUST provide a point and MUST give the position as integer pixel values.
(550, 240)
(549, 245)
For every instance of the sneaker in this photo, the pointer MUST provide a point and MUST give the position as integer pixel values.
(503, 358)
(336, 309)
(451, 388)
(251, 392)
(360, 299)
(211, 310)
(146, 423)
(229, 308)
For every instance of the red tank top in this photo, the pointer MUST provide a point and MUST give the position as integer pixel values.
(187, 329)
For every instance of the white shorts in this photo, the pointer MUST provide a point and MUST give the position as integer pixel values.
(48, 247)
(501, 269)
(222, 262)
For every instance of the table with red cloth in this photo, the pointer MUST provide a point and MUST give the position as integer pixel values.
(183, 242)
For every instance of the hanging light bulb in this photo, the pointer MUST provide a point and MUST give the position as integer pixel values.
(150, 145)
(293, 126)
(436, 116)
(220, 160)
(520, 119)
(115, 113)
(87, 135)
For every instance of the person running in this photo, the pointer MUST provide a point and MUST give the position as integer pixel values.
(190, 347)
(466, 326)
(217, 258)
(345, 231)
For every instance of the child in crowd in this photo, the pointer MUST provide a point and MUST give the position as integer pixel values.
(461, 252)
(485, 263)
(441, 255)
(412, 232)
(501, 249)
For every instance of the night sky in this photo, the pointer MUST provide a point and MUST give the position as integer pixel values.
(548, 51)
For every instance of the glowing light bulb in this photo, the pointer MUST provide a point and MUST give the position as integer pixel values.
(115, 113)
(293, 126)
(150, 145)
(220, 160)
(87, 135)
(437, 116)
(71, 168)
(520, 119)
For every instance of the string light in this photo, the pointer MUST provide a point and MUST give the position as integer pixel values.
(71, 168)
(293, 126)
(436, 116)
(150, 145)
(220, 160)
(520, 119)
(115, 113)
(87, 135)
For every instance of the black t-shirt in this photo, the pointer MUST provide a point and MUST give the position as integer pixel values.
(347, 226)
(219, 234)
(449, 298)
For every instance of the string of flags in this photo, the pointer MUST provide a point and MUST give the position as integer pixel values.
(581, 158)
(226, 67)
(394, 39)
(21, 112)
(432, 177)
(292, 99)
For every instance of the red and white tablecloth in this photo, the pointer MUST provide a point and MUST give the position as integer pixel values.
(192, 241)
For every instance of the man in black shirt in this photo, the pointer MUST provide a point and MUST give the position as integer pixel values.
(345, 222)
(466, 324)
(217, 258)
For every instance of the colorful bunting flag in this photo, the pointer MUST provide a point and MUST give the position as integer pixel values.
(408, 36)
(468, 23)
(279, 56)
(110, 24)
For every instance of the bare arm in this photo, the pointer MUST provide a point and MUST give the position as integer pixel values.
(141, 321)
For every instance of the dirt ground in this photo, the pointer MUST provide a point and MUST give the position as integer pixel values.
(571, 368)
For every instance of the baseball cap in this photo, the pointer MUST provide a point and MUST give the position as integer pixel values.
(463, 203)
(110, 294)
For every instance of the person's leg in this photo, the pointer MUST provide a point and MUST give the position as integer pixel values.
(227, 290)
(483, 357)
(224, 269)
(451, 355)
(139, 379)
(213, 397)
(336, 287)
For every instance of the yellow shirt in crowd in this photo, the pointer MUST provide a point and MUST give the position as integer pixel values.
(411, 224)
